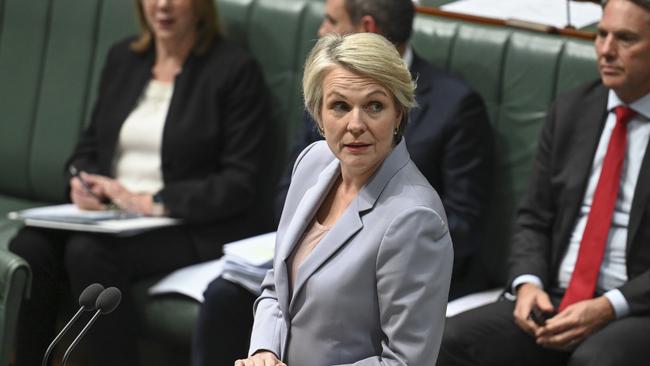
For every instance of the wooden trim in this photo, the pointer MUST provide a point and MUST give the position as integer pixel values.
(535, 27)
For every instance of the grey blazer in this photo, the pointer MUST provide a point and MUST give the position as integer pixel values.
(374, 290)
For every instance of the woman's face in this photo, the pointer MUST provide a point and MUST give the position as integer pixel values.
(359, 118)
(171, 20)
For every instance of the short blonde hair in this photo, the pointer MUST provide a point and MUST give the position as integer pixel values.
(366, 54)
(207, 27)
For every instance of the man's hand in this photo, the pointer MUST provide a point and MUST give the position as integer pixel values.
(262, 358)
(529, 296)
(570, 327)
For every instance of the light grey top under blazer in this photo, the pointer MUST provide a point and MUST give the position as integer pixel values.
(374, 290)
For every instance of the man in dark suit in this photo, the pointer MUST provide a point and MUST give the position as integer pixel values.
(448, 136)
(580, 263)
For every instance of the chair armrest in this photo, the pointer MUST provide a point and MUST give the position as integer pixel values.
(15, 280)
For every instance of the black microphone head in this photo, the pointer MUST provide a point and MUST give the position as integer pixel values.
(89, 295)
(108, 300)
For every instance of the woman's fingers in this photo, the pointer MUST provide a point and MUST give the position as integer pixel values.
(263, 358)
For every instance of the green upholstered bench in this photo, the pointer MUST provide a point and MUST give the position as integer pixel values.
(50, 58)
(48, 61)
(518, 73)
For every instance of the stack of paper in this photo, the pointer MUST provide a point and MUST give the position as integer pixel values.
(70, 217)
(189, 281)
(67, 213)
(247, 261)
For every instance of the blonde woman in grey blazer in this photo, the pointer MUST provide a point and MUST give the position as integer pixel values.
(363, 254)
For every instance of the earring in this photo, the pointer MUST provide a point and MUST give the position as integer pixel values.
(321, 132)
(395, 132)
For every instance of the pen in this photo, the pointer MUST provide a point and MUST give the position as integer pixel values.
(76, 173)
(109, 205)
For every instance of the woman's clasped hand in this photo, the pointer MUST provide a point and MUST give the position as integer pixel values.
(263, 358)
(100, 192)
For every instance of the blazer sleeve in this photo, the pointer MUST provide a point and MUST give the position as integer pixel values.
(637, 293)
(268, 324)
(413, 268)
(86, 151)
(231, 188)
(466, 167)
(530, 251)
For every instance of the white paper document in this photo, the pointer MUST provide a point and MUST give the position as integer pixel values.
(472, 301)
(249, 277)
(189, 281)
(70, 217)
(245, 262)
(256, 250)
(548, 12)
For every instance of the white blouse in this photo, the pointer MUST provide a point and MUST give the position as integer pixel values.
(137, 164)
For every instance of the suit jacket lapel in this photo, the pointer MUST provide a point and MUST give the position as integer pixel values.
(303, 215)
(350, 222)
(347, 225)
(589, 126)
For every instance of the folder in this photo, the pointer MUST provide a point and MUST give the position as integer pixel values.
(70, 217)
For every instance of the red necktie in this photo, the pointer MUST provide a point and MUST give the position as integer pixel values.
(592, 246)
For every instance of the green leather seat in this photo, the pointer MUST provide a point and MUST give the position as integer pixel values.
(14, 286)
(518, 73)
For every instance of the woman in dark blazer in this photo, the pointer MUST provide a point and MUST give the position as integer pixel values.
(176, 130)
(363, 255)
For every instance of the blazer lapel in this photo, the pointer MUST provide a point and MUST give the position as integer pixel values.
(305, 211)
(350, 222)
(590, 124)
(347, 225)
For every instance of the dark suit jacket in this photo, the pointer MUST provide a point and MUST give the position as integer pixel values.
(557, 185)
(449, 139)
(211, 147)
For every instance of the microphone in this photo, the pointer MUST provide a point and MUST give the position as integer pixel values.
(87, 301)
(106, 302)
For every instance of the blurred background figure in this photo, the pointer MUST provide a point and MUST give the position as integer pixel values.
(363, 254)
(176, 130)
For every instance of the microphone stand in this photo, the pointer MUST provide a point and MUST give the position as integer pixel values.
(106, 302)
(60, 335)
(79, 336)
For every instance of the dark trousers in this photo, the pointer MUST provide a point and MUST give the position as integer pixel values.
(224, 326)
(488, 336)
(64, 262)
